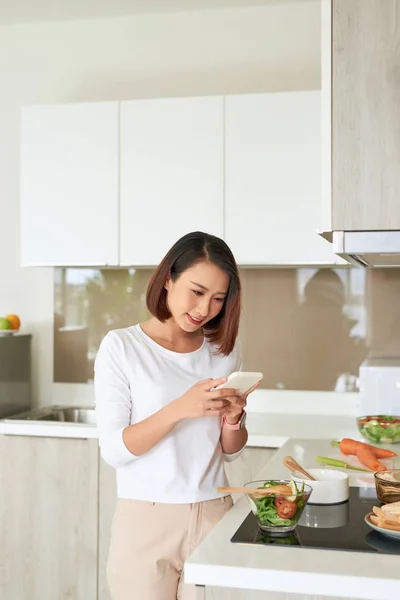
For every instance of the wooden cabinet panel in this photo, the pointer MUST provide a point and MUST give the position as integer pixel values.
(48, 518)
(365, 114)
(107, 502)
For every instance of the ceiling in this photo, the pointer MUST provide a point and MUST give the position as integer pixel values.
(26, 11)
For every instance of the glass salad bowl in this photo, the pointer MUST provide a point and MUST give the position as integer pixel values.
(380, 429)
(279, 511)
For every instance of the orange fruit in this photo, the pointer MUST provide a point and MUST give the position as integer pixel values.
(14, 320)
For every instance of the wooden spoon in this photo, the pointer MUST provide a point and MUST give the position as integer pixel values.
(283, 490)
(293, 466)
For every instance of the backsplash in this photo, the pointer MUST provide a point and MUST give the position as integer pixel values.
(305, 329)
(89, 303)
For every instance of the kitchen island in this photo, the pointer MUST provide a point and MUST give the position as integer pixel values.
(295, 570)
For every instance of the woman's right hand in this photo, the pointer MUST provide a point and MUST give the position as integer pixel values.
(203, 401)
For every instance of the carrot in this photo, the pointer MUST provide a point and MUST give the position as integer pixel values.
(367, 458)
(348, 446)
(381, 452)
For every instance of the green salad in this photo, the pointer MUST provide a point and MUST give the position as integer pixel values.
(280, 510)
(380, 429)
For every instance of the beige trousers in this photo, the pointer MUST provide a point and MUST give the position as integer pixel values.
(150, 543)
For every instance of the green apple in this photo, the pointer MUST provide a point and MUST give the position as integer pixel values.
(4, 323)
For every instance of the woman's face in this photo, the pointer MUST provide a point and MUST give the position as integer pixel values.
(197, 296)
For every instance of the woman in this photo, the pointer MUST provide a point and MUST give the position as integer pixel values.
(162, 424)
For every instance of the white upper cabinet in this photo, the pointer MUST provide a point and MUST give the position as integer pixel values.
(69, 184)
(118, 183)
(171, 174)
(273, 204)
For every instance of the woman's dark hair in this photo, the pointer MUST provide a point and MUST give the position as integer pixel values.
(193, 248)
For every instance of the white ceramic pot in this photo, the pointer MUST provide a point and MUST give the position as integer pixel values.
(331, 487)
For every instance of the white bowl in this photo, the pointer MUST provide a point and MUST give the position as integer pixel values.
(331, 487)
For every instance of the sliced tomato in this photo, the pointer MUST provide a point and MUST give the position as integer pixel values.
(279, 500)
(287, 509)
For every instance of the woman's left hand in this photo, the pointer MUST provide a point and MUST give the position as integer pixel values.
(236, 405)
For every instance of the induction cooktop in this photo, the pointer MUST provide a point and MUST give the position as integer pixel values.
(334, 527)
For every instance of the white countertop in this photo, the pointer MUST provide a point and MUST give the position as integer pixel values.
(266, 430)
(48, 429)
(218, 562)
(272, 430)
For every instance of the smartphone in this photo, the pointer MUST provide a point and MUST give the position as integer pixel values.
(241, 381)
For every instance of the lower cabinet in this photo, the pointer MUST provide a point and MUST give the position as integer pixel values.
(57, 501)
(107, 501)
(48, 518)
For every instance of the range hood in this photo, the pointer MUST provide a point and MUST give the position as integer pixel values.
(366, 249)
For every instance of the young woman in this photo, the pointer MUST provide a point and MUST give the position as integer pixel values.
(162, 424)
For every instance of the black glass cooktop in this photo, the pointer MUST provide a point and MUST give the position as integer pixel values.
(336, 527)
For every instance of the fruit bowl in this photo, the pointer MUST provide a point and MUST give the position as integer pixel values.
(380, 429)
(9, 325)
(278, 513)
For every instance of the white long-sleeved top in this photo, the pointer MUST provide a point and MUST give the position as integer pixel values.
(134, 378)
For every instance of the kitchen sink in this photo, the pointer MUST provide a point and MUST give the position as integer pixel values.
(60, 414)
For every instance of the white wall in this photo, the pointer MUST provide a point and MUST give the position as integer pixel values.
(198, 53)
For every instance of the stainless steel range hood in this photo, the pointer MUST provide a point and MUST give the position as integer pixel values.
(366, 249)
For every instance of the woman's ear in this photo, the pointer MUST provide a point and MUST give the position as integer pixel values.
(167, 283)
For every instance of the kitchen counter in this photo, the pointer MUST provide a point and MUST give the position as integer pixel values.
(48, 429)
(272, 430)
(266, 430)
(218, 562)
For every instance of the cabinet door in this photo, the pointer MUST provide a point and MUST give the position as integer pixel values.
(69, 185)
(48, 518)
(171, 174)
(365, 115)
(273, 204)
(107, 503)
